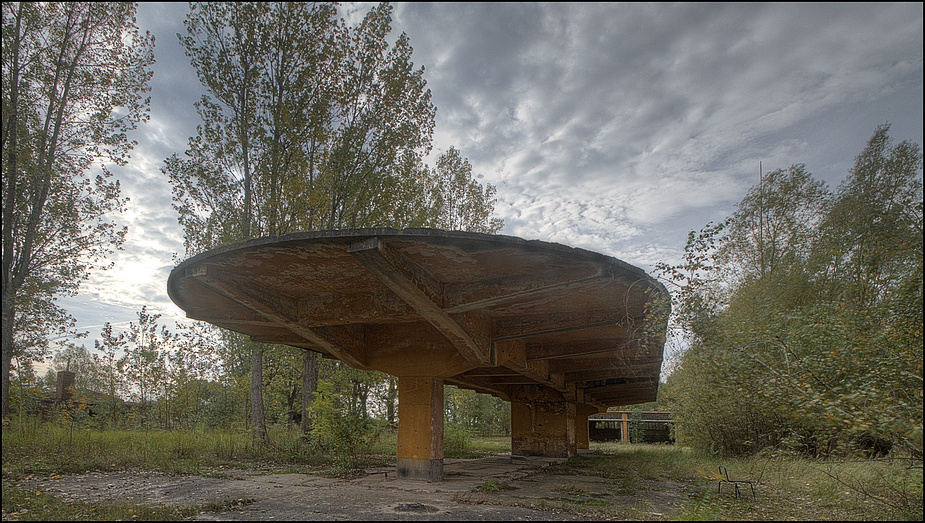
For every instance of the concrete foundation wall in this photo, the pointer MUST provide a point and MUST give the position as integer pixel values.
(542, 423)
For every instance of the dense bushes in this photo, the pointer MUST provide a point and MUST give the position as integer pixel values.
(805, 314)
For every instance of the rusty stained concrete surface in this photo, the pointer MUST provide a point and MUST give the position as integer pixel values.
(489, 313)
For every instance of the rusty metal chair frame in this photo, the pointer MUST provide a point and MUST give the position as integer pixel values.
(724, 478)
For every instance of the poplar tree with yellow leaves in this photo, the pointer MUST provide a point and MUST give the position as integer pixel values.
(307, 124)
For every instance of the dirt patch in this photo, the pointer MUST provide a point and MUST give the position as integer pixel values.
(494, 488)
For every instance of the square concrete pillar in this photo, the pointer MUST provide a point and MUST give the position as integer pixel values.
(542, 423)
(420, 428)
(582, 431)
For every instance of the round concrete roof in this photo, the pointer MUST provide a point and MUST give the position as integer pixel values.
(483, 312)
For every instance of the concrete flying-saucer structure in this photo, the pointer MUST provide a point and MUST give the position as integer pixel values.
(560, 332)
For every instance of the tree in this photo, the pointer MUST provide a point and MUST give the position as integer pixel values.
(309, 386)
(195, 364)
(808, 336)
(73, 78)
(869, 264)
(709, 400)
(111, 349)
(145, 365)
(457, 201)
(309, 124)
(872, 233)
(89, 376)
(383, 123)
(260, 62)
(480, 414)
(27, 387)
(774, 226)
(316, 126)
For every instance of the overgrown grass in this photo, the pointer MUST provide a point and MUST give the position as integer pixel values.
(788, 488)
(23, 505)
(37, 448)
(34, 447)
(459, 442)
(26, 505)
(488, 445)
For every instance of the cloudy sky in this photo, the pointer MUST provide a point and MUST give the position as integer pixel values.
(615, 128)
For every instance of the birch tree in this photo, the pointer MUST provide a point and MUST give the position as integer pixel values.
(807, 335)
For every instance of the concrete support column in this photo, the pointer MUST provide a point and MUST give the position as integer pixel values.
(582, 431)
(542, 423)
(625, 430)
(420, 428)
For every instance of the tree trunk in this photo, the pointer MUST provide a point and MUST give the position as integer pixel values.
(8, 205)
(258, 419)
(335, 389)
(309, 385)
(363, 399)
(7, 349)
(391, 395)
(290, 403)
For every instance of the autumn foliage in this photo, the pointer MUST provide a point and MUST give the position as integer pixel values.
(804, 314)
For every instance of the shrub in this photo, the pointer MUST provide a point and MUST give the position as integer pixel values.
(457, 439)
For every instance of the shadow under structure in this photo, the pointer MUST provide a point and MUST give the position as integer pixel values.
(561, 333)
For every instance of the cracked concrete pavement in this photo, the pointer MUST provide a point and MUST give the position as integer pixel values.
(529, 492)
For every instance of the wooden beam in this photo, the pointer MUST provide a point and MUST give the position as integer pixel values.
(627, 382)
(633, 399)
(345, 344)
(620, 392)
(623, 395)
(489, 372)
(287, 338)
(421, 292)
(628, 400)
(478, 384)
(240, 317)
(519, 379)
